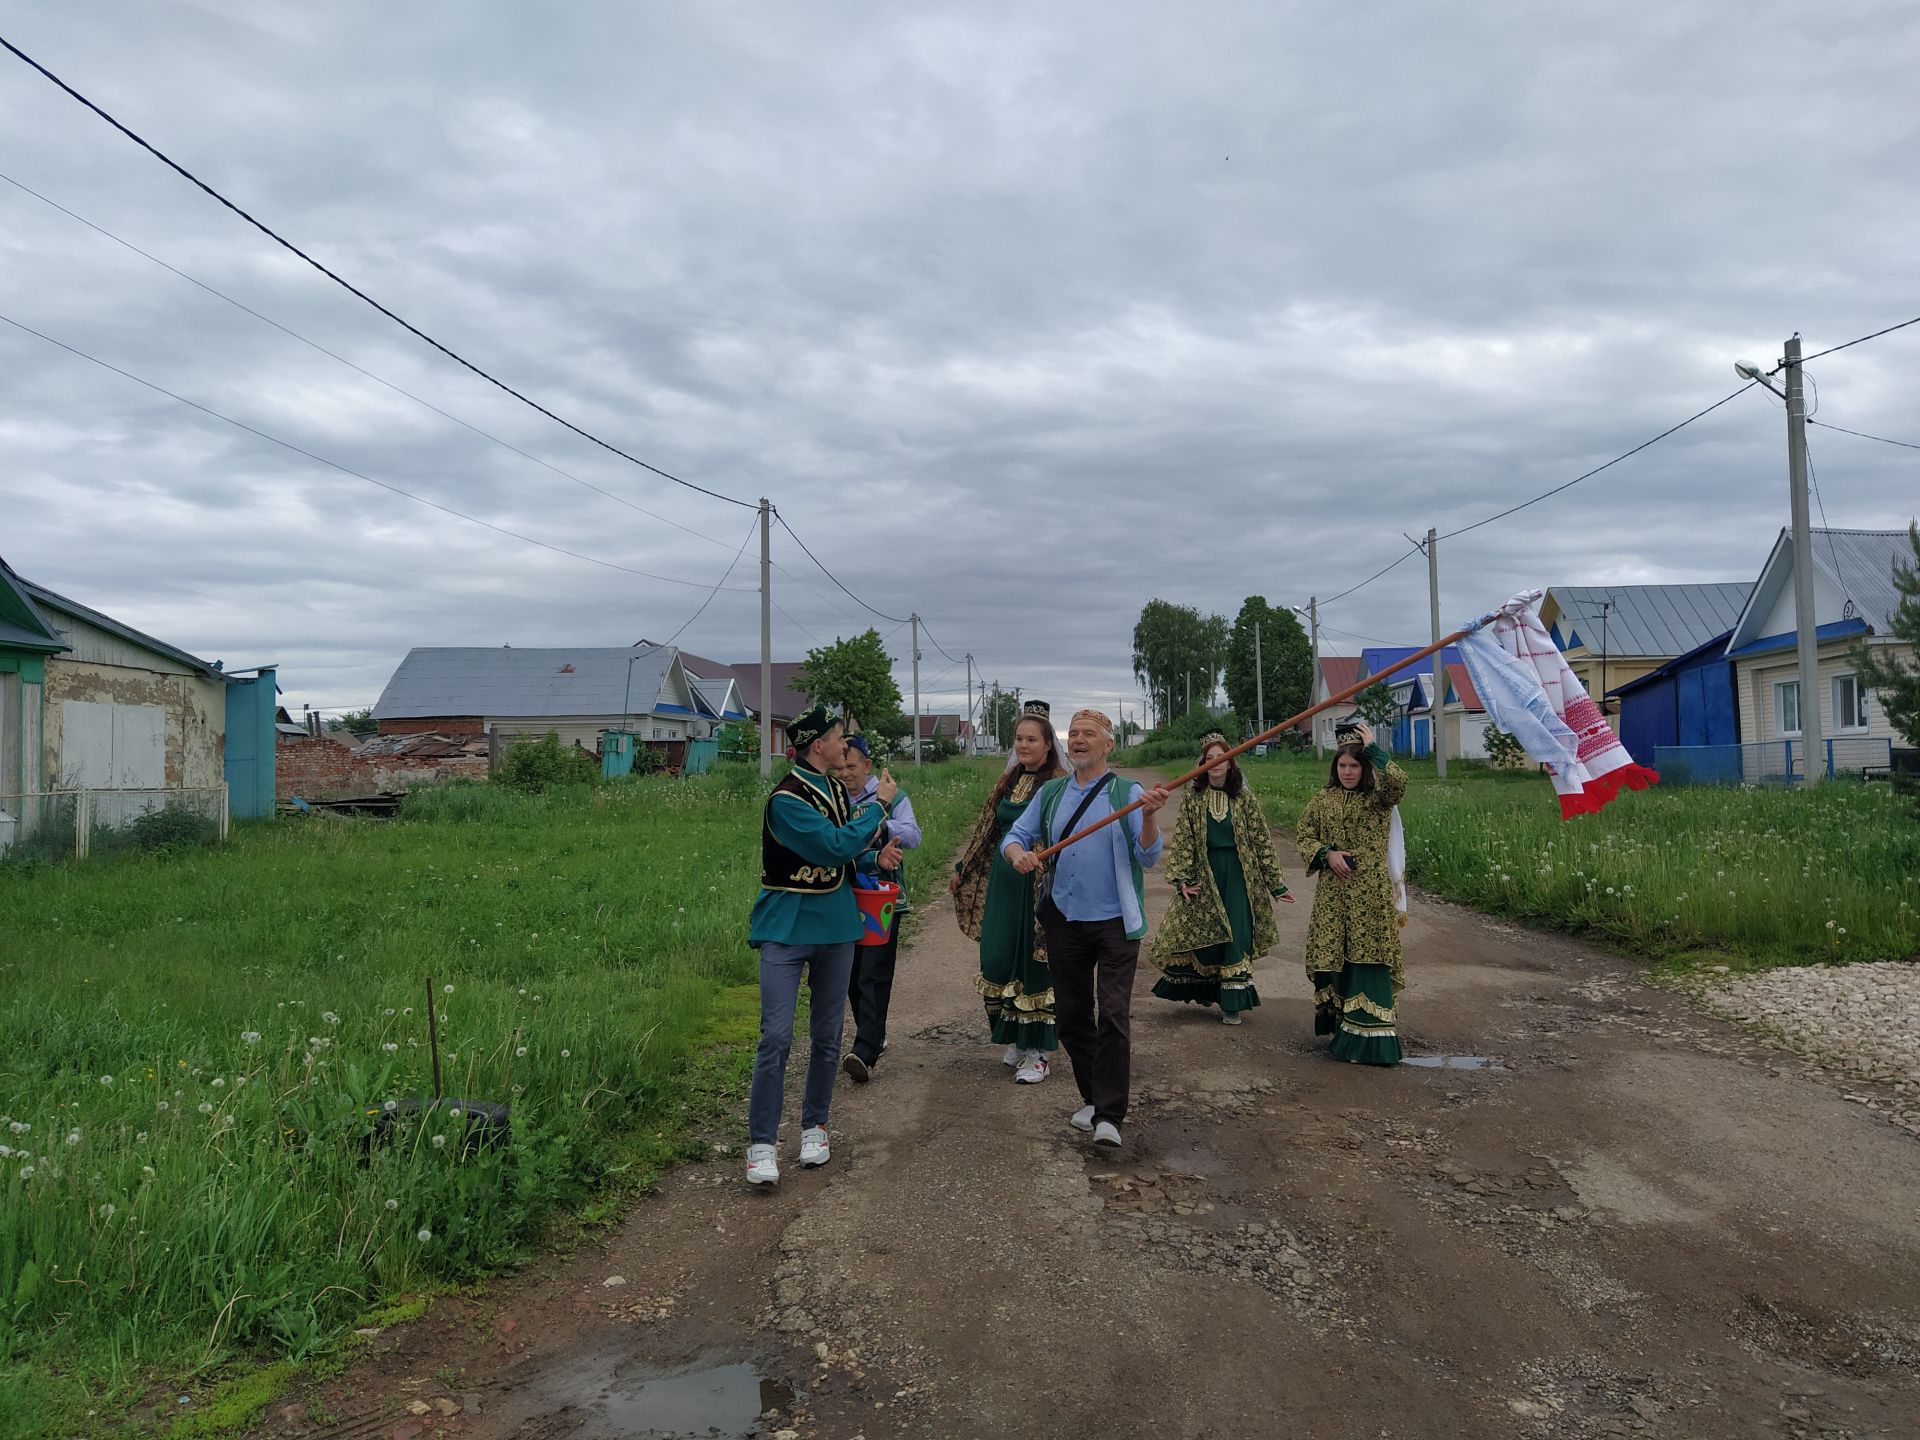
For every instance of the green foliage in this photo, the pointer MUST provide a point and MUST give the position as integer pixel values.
(938, 748)
(1765, 876)
(219, 1197)
(355, 722)
(999, 714)
(1178, 652)
(856, 677)
(1504, 751)
(739, 740)
(1286, 659)
(1895, 683)
(1377, 705)
(536, 766)
(1180, 739)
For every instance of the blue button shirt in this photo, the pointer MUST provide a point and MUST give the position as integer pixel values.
(1085, 880)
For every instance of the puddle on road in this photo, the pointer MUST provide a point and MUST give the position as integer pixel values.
(618, 1400)
(1454, 1062)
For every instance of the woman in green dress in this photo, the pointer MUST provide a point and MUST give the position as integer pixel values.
(1219, 856)
(1353, 940)
(994, 904)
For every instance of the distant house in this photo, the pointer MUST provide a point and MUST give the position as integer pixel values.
(506, 693)
(90, 703)
(1413, 692)
(1854, 599)
(788, 701)
(1612, 635)
(949, 727)
(1463, 717)
(1337, 673)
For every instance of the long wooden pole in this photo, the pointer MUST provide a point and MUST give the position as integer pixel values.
(1265, 735)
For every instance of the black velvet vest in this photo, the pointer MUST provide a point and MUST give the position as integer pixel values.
(783, 869)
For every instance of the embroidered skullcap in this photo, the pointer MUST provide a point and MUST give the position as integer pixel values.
(1039, 709)
(1095, 717)
(803, 730)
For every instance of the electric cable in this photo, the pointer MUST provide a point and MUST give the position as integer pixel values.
(1833, 548)
(355, 290)
(347, 470)
(936, 644)
(901, 619)
(1849, 344)
(1828, 425)
(1416, 550)
(723, 580)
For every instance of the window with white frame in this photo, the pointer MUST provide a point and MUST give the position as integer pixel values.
(1849, 703)
(1786, 707)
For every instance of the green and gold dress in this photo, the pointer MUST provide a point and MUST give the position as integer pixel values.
(1207, 943)
(994, 904)
(1353, 940)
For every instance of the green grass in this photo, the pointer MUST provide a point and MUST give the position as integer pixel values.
(1748, 877)
(197, 1042)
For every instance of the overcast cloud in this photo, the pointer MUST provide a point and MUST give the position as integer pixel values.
(1022, 314)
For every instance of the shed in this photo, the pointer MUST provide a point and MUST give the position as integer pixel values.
(1687, 701)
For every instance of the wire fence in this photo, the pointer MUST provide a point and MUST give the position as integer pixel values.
(55, 825)
(1771, 762)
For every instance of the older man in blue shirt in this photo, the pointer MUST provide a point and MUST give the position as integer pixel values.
(1094, 915)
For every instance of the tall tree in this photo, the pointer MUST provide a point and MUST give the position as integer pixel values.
(855, 677)
(1286, 658)
(1178, 653)
(1894, 683)
(1000, 713)
(1378, 707)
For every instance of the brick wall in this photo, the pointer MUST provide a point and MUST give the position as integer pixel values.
(314, 768)
(453, 726)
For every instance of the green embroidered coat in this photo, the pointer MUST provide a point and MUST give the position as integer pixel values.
(1194, 924)
(1353, 919)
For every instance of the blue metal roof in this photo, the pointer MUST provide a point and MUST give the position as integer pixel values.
(1834, 630)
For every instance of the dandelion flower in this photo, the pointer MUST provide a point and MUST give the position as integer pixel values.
(106, 1211)
(217, 1082)
(330, 1017)
(165, 1106)
(19, 1127)
(456, 1112)
(566, 1054)
(424, 1235)
(5, 1151)
(446, 989)
(519, 1052)
(106, 1079)
(439, 1142)
(206, 1107)
(393, 1204)
(390, 1047)
(26, 1172)
(147, 1170)
(391, 1105)
(251, 1037)
(73, 1137)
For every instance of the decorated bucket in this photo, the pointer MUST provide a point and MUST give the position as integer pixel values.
(876, 910)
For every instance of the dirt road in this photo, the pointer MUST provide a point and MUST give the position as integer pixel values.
(1636, 1221)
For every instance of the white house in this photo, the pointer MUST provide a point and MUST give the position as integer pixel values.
(1854, 599)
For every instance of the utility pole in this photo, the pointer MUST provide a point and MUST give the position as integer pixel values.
(1435, 707)
(915, 617)
(1313, 691)
(971, 727)
(1803, 613)
(766, 640)
(1605, 606)
(1259, 685)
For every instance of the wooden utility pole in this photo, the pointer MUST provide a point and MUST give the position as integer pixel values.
(1804, 618)
(766, 640)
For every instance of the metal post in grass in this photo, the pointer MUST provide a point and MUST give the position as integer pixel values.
(433, 1039)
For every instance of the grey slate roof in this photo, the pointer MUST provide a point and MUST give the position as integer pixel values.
(503, 680)
(1848, 565)
(1662, 620)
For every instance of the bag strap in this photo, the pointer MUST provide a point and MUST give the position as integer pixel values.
(1092, 794)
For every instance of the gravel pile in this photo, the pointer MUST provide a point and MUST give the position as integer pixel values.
(1861, 1020)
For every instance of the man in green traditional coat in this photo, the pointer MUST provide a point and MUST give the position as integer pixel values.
(806, 919)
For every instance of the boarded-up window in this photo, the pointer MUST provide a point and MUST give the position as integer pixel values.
(104, 746)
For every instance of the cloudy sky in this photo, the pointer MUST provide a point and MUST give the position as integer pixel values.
(1021, 314)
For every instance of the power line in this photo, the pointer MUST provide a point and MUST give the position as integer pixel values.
(355, 290)
(1416, 550)
(751, 529)
(1849, 344)
(937, 645)
(1512, 509)
(351, 365)
(1903, 444)
(346, 470)
(830, 575)
(1833, 549)
(795, 623)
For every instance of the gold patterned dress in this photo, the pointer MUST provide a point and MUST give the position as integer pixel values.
(1207, 943)
(994, 904)
(1353, 940)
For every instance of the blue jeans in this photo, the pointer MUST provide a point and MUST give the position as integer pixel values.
(828, 968)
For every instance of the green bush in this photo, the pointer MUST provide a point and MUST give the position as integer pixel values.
(537, 766)
(1504, 751)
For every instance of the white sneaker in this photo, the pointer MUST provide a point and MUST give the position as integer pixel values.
(1033, 1069)
(1082, 1119)
(1011, 1056)
(1228, 1017)
(762, 1167)
(813, 1147)
(1107, 1133)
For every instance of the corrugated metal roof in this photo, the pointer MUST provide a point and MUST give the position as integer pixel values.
(1860, 564)
(1660, 620)
(504, 680)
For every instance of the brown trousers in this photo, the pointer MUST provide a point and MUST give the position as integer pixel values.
(1094, 960)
